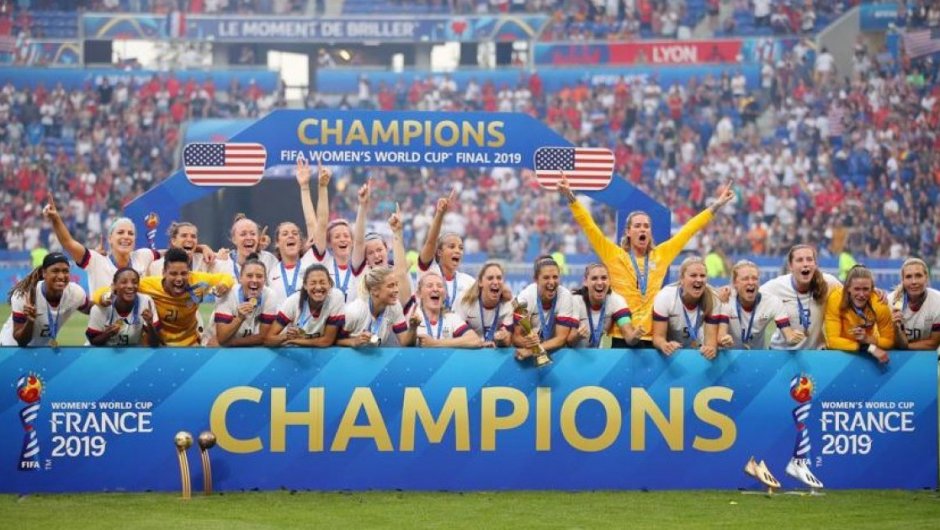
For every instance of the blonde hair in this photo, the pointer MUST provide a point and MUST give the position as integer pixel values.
(707, 302)
(375, 277)
(473, 293)
(899, 290)
(743, 264)
(424, 277)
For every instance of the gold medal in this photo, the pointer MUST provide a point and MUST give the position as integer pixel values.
(747, 346)
(53, 343)
(253, 302)
(694, 344)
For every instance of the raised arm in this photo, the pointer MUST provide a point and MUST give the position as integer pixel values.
(604, 248)
(430, 243)
(323, 207)
(303, 180)
(74, 248)
(359, 229)
(399, 254)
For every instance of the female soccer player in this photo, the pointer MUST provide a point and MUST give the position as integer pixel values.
(313, 316)
(334, 245)
(284, 278)
(599, 310)
(131, 318)
(41, 304)
(185, 235)
(637, 265)
(243, 316)
(750, 312)
(443, 254)
(551, 311)
(437, 327)
(177, 295)
(687, 314)
(482, 307)
(371, 320)
(101, 269)
(915, 308)
(803, 292)
(246, 238)
(856, 319)
(375, 248)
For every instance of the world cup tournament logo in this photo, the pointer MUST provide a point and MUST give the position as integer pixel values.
(801, 390)
(29, 390)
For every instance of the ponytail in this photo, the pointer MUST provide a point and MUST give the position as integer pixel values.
(27, 286)
(818, 286)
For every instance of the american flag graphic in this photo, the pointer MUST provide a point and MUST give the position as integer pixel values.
(587, 168)
(226, 164)
(922, 42)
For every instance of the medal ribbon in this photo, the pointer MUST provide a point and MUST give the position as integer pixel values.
(546, 328)
(642, 279)
(599, 330)
(746, 335)
(488, 331)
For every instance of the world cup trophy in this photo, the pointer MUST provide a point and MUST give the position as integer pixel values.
(801, 390)
(184, 441)
(521, 312)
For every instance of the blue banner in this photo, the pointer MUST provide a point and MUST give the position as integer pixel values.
(877, 17)
(81, 78)
(98, 419)
(507, 28)
(397, 139)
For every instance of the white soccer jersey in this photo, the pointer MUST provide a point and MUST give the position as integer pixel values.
(686, 324)
(813, 313)
(226, 310)
(562, 313)
(49, 320)
(485, 322)
(285, 281)
(748, 328)
(133, 327)
(101, 269)
(454, 288)
(449, 327)
(346, 279)
(919, 325)
(601, 318)
(232, 268)
(199, 265)
(359, 319)
(290, 313)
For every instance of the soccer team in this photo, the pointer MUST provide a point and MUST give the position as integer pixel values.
(339, 287)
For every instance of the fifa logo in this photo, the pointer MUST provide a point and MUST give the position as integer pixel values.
(29, 390)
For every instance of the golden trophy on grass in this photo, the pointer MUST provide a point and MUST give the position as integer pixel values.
(521, 312)
(184, 441)
(206, 442)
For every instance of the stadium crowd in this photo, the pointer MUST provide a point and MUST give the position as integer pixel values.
(816, 156)
(829, 155)
(98, 147)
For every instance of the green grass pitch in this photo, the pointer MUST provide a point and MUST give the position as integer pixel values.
(705, 509)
